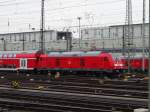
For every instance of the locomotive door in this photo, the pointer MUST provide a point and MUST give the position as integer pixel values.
(23, 63)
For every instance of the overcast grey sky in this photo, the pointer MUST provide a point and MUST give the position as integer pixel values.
(61, 14)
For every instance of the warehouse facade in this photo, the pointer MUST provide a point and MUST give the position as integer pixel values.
(54, 40)
(93, 38)
(112, 36)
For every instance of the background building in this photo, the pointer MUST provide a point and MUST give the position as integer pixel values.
(54, 40)
(93, 38)
(112, 36)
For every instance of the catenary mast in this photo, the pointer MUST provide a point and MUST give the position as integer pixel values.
(42, 28)
(128, 33)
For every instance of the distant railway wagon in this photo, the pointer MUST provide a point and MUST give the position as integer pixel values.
(65, 62)
(137, 63)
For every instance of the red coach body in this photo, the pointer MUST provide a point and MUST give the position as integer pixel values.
(18, 61)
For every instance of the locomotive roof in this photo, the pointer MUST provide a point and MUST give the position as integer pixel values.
(92, 53)
(54, 53)
(65, 53)
(75, 53)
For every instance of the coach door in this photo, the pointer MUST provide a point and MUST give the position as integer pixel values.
(23, 63)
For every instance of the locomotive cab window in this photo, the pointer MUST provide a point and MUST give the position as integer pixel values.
(105, 59)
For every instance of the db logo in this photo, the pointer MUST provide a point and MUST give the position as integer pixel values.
(69, 62)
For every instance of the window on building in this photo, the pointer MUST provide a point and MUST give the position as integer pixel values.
(102, 31)
(86, 32)
(20, 37)
(95, 33)
(34, 38)
(24, 37)
(15, 39)
(10, 37)
(29, 37)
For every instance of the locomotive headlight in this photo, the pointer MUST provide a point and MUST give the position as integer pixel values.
(116, 65)
(119, 65)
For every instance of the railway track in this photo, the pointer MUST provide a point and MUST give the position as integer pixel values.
(48, 107)
(116, 87)
(111, 88)
(104, 89)
(135, 82)
(78, 86)
(90, 90)
(62, 101)
(105, 84)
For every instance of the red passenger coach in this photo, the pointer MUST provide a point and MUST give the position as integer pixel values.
(136, 63)
(11, 61)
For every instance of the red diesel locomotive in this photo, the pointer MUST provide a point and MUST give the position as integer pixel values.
(85, 62)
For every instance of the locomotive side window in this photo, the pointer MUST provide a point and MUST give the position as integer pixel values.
(82, 62)
(57, 62)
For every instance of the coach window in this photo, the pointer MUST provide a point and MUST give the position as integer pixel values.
(5, 55)
(10, 55)
(15, 38)
(14, 55)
